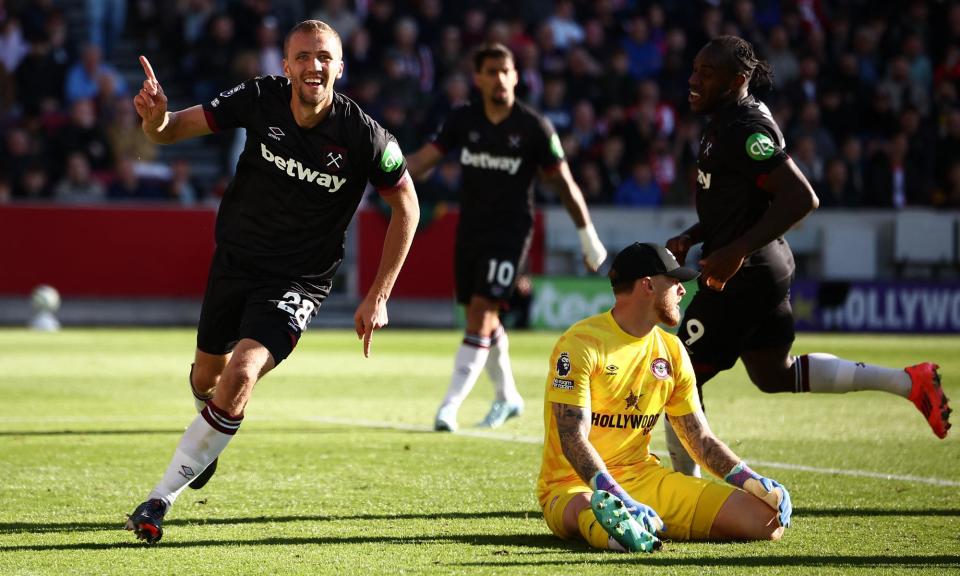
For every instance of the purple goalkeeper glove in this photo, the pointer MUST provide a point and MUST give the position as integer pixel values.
(644, 514)
(770, 491)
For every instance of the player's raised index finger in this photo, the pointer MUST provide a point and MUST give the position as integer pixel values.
(147, 68)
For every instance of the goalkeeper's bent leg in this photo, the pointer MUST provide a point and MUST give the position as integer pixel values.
(593, 532)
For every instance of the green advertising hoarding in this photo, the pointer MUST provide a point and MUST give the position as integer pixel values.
(559, 301)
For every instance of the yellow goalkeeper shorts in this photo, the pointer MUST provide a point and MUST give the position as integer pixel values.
(687, 505)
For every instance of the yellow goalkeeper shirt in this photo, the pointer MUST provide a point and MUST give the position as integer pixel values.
(626, 383)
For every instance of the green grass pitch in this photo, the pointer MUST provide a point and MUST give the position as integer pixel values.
(334, 471)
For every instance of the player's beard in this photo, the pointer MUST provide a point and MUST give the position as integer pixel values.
(668, 310)
(308, 97)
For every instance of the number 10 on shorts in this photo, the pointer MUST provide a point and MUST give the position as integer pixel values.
(500, 272)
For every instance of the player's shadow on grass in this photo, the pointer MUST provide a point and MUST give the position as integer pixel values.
(537, 542)
(740, 562)
(44, 527)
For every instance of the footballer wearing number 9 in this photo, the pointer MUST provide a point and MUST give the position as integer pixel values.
(281, 226)
(749, 193)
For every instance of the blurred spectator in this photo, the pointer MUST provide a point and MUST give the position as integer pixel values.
(808, 126)
(949, 192)
(128, 185)
(782, 59)
(639, 189)
(358, 58)
(836, 190)
(213, 58)
(642, 52)
(41, 75)
(530, 85)
(394, 118)
(584, 128)
(19, 152)
(83, 78)
(592, 183)
(449, 53)
(414, 59)
(337, 14)
(78, 186)
(853, 158)
(555, 107)
(83, 134)
(896, 176)
(564, 27)
(105, 22)
(182, 188)
(34, 184)
(13, 47)
(269, 49)
(808, 159)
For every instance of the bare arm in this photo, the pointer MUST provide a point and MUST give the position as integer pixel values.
(793, 199)
(159, 125)
(371, 314)
(423, 160)
(573, 427)
(700, 442)
(562, 182)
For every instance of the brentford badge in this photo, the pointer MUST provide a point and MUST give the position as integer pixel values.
(660, 369)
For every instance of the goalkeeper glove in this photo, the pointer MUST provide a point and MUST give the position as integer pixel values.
(770, 491)
(593, 251)
(644, 514)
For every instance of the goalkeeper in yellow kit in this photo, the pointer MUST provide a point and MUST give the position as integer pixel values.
(612, 377)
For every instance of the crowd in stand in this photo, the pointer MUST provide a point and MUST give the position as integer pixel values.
(866, 93)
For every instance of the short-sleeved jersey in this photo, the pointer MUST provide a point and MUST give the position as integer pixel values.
(295, 190)
(499, 163)
(740, 146)
(626, 383)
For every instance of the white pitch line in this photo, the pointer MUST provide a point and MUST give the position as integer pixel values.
(539, 440)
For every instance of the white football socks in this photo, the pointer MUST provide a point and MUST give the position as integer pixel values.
(825, 373)
(201, 443)
(679, 459)
(469, 362)
(499, 369)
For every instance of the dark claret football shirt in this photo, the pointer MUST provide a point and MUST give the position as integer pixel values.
(740, 147)
(295, 190)
(499, 164)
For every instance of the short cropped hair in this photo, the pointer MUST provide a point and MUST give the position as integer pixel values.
(493, 50)
(311, 26)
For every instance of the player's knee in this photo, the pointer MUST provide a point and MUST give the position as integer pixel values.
(203, 381)
(772, 384)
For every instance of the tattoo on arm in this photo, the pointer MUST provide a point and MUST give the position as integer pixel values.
(573, 427)
(703, 446)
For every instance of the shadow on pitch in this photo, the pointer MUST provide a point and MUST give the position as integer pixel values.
(533, 541)
(739, 562)
(43, 527)
(177, 431)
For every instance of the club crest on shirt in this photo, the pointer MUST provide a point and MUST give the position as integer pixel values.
(334, 158)
(660, 369)
(611, 369)
(563, 364)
